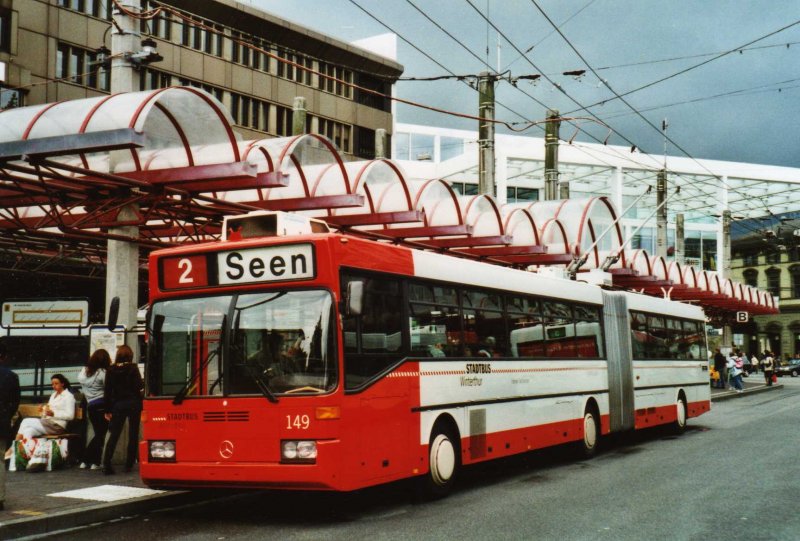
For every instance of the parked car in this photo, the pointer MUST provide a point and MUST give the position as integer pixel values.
(791, 368)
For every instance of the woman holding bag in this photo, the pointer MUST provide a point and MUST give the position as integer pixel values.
(92, 379)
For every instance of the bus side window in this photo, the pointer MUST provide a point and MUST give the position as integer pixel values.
(372, 340)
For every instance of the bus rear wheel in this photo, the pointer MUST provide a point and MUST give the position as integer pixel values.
(591, 434)
(679, 426)
(444, 463)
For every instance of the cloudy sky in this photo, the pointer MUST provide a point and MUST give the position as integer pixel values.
(743, 106)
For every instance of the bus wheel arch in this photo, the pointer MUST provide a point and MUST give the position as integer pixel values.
(444, 458)
(590, 429)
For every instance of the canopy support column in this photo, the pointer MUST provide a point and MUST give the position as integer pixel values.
(122, 266)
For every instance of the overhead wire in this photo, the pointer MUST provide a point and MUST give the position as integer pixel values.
(371, 91)
(154, 12)
(621, 97)
(695, 66)
(735, 93)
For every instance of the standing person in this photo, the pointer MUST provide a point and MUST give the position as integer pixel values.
(9, 403)
(735, 367)
(123, 400)
(719, 366)
(768, 365)
(93, 380)
(754, 363)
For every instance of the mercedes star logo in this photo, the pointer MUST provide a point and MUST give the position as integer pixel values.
(226, 449)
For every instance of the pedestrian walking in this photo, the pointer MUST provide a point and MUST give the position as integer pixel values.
(123, 401)
(9, 403)
(93, 379)
(719, 366)
(754, 363)
(769, 366)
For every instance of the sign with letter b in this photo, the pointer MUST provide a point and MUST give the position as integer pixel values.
(742, 317)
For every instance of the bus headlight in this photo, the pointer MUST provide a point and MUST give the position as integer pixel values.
(162, 451)
(302, 451)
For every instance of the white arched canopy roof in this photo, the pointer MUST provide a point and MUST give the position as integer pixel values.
(181, 119)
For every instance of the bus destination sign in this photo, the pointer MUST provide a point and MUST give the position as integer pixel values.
(251, 265)
(269, 264)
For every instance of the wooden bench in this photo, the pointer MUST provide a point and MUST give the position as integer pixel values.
(70, 442)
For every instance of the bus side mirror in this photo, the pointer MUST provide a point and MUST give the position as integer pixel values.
(355, 298)
(113, 313)
(158, 324)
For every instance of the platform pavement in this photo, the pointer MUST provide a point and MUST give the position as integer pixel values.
(36, 505)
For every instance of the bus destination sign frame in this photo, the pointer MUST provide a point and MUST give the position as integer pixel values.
(282, 263)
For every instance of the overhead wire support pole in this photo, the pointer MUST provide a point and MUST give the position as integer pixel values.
(613, 258)
(576, 264)
(551, 191)
(486, 133)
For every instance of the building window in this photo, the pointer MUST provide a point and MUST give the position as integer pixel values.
(451, 147)
(335, 131)
(10, 98)
(288, 68)
(70, 63)
(335, 79)
(161, 26)
(376, 101)
(152, 79)
(751, 277)
(518, 195)
(794, 270)
(249, 112)
(283, 120)
(773, 257)
(750, 260)
(774, 281)
(364, 140)
(5, 30)
(75, 65)
(214, 41)
(95, 8)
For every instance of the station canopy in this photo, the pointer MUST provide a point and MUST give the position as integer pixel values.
(171, 156)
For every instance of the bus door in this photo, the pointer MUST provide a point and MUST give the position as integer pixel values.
(620, 361)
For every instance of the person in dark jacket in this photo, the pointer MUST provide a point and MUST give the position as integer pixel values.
(123, 400)
(720, 367)
(9, 403)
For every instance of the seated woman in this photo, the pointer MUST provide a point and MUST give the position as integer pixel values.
(54, 415)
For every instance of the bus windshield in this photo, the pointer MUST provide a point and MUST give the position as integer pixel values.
(271, 343)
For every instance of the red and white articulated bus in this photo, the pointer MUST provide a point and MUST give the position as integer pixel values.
(326, 362)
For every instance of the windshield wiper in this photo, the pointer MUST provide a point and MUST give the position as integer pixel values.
(262, 385)
(200, 369)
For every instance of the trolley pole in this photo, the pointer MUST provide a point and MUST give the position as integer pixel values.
(486, 133)
(551, 188)
(724, 268)
(661, 217)
(122, 265)
(680, 233)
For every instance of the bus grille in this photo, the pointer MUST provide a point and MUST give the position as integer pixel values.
(226, 416)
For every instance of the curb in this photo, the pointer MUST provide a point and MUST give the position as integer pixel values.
(90, 514)
(727, 395)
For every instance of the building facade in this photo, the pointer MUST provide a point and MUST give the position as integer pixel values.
(766, 254)
(49, 52)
